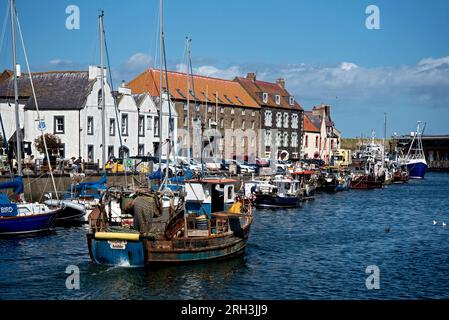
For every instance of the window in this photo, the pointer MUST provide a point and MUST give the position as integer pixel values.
(156, 126)
(332, 144)
(278, 99)
(292, 101)
(265, 97)
(59, 126)
(112, 127)
(149, 123)
(316, 142)
(90, 126)
(141, 126)
(253, 124)
(268, 137)
(268, 119)
(285, 120)
(294, 139)
(243, 124)
(61, 150)
(186, 121)
(278, 139)
(90, 153)
(222, 123)
(185, 106)
(209, 109)
(294, 121)
(306, 143)
(285, 139)
(124, 124)
(221, 110)
(243, 112)
(232, 124)
(141, 150)
(232, 111)
(100, 99)
(253, 114)
(110, 152)
(279, 120)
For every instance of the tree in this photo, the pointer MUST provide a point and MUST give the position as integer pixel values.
(53, 143)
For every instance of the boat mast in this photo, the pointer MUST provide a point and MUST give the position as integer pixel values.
(16, 92)
(188, 99)
(383, 142)
(161, 32)
(103, 103)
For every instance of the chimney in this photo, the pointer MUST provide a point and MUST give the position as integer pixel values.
(251, 76)
(281, 83)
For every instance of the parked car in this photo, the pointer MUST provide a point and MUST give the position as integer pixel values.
(194, 165)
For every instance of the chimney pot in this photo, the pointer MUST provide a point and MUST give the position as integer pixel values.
(251, 76)
(281, 83)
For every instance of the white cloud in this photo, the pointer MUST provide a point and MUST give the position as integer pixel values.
(139, 61)
(212, 71)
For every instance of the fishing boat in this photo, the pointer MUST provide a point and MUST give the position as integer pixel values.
(308, 181)
(415, 159)
(208, 223)
(281, 192)
(365, 181)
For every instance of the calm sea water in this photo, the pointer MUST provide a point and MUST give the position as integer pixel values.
(320, 251)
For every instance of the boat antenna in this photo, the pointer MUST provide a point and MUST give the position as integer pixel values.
(188, 41)
(161, 36)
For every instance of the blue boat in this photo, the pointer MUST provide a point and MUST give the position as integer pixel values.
(206, 224)
(417, 168)
(22, 218)
(415, 159)
(279, 193)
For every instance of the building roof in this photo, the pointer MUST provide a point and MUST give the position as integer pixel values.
(309, 126)
(228, 92)
(314, 119)
(256, 88)
(55, 90)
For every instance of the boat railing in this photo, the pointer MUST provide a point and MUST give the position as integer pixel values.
(202, 226)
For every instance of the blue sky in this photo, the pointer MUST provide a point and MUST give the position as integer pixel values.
(321, 47)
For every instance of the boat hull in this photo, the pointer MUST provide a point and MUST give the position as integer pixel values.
(417, 170)
(275, 201)
(27, 224)
(364, 183)
(148, 252)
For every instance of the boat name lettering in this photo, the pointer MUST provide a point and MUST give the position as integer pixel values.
(117, 245)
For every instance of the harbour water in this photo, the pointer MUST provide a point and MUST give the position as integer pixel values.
(319, 251)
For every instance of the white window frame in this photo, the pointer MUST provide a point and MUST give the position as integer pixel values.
(265, 97)
(279, 119)
(285, 119)
(278, 99)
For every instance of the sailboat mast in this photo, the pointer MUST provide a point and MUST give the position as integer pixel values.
(16, 91)
(383, 142)
(161, 59)
(188, 99)
(103, 102)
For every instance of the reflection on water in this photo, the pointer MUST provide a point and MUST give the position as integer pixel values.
(319, 251)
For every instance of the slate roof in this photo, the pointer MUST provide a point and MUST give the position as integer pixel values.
(256, 88)
(229, 92)
(309, 126)
(55, 90)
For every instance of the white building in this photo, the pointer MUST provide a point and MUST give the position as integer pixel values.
(71, 107)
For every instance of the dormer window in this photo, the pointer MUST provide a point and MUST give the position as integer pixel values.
(278, 99)
(265, 97)
(292, 101)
